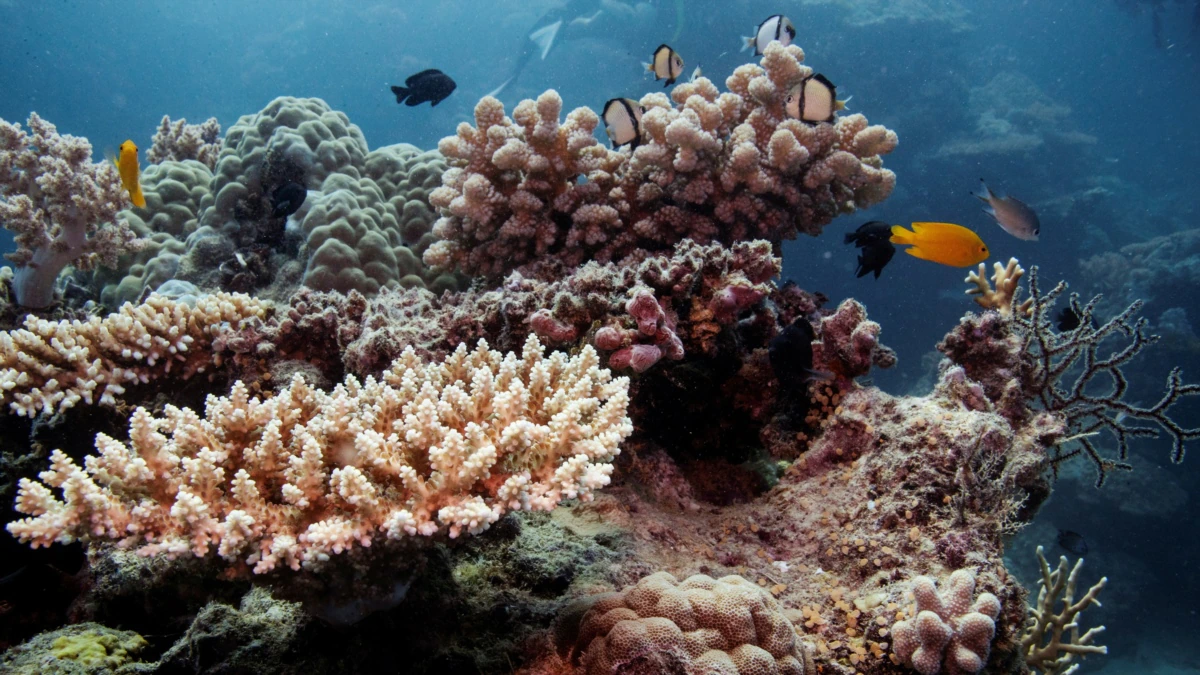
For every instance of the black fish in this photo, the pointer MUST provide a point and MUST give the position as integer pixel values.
(1073, 542)
(875, 240)
(287, 199)
(791, 354)
(1068, 319)
(427, 85)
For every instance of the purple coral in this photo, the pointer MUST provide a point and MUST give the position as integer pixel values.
(948, 630)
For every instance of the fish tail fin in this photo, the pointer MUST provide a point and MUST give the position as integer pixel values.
(747, 43)
(495, 93)
(648, 66)
(136, 196)
(401, 93)
(986, 195)
(544, 37)
(902, 236)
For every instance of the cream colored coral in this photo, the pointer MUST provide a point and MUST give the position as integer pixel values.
(293, 479)
(1043, 638)
(50, 366)
(1001, 297)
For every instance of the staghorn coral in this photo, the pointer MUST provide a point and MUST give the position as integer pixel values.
(947, 629)
(304, 475)
(700, 624)
(1044, 632)
(1001, 295)
(1020, 359)
(61, 206)
(712, 167)
(180, 141)
(50, 366)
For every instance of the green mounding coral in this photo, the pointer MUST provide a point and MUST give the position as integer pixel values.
(174, 191)
(84, 648)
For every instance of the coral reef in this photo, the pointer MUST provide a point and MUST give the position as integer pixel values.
(1019, 358)
(180, 141)
(50, 366)
(61, 206)
(305, 474)
(661, 625)
(712, 167)
(1043, 640)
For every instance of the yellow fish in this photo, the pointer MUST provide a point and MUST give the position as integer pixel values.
(944, 243)
(127, 166)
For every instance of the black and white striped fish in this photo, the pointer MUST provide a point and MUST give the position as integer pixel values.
(623, 122)
(776, 27)
(665, 63)
(814, 100)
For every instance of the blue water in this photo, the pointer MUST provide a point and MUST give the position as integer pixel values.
(1126, 99)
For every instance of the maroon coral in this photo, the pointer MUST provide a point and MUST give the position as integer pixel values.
(849, 343)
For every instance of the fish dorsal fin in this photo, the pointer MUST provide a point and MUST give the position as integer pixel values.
(544, 37)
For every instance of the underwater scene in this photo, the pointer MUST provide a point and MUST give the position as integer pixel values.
(600, 337)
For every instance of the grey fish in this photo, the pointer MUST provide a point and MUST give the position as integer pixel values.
(1073, 542)
(428, 85)
(1011, 214)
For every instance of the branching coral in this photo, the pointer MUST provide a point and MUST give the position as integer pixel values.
(1001, 295)
(62, 207)
(712, 167)
(181, 141)
(1019, 358)
(50, 366)
(303, 475)
(1043, 638)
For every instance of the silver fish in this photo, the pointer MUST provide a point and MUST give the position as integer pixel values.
(776, 27)
(623, 122)
(665, 63)
(1011, 214)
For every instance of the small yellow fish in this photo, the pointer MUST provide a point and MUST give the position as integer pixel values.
(944, 243)
(127, 166)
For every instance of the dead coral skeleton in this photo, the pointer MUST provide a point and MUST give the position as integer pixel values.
(1063, 371)
(1042, 639)
(1001, 295)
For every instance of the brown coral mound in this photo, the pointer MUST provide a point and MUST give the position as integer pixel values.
(661, 625)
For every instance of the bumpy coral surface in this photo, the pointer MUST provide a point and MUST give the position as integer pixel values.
(712, 167)
(952, 631)
(180, 141)
(303, 475)
(662, 625)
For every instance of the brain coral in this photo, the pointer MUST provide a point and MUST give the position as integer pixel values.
(174, 191)
(724, 626)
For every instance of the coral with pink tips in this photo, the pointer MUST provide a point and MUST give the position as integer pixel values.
(949, 629)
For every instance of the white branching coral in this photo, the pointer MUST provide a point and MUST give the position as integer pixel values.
(293, 479)
(1052, 639)
(47, 367)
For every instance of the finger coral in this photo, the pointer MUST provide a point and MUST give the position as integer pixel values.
(298, 477)
(948, 630)
(712, 166)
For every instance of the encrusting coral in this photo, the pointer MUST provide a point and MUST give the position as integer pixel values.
(949, 633)
(1043, 640)
(61, 206)
(305, 474)
(47, 367)
(713, 166)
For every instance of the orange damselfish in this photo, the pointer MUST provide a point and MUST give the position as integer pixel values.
(944, 243)
(127, 166)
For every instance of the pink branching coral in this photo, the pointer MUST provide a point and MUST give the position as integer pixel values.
(298, 477)
(179, 140)
(1020, 359)
(47, 367)
(948, 633)
(62, 207)
(712, 167)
